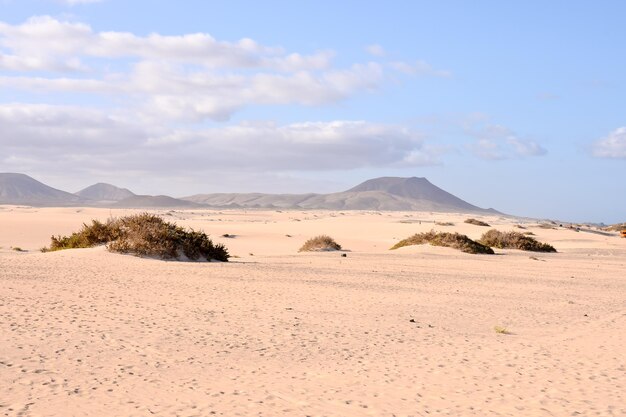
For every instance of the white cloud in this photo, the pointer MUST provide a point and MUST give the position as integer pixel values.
(487, 149)
(524, 147)
(498, 142)
(612, 146)
(46, 40)
(34, 63)
(376, 50)
(190, 77)
(300, 146)
(177, 93)
(193, 96)
(166, 89)
(49, 129)
(45, 36)
(57, 139)
(64, 85)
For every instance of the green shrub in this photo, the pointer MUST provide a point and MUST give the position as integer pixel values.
(320, 243)
(514, 240)
(451, 240)
(143, 235)
(477, 222)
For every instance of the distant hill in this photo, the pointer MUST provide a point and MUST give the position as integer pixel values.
(417, 190)
(103, 192)
(149, 201)
(386, 193)
(252, 200)
(22, 189)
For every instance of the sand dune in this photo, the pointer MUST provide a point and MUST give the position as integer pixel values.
(277, 333)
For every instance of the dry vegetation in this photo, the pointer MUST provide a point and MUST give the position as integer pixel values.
(320, 243)
(143, 235)
(477, 222)
(514, 240)
(451, 240)
(615, 227)
(444, 223)
(501, 330)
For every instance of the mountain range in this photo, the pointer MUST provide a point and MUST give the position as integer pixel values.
(22, 189)
(385, 193)
(104, 192)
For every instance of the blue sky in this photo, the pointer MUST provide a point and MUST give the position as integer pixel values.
(519, 107)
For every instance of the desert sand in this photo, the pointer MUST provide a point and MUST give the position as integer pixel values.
(275, 332)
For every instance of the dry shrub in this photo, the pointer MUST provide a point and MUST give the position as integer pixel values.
(501, 330)
(320, 243)
(444, 223)
(477, 222)
(97, 233)
(451, 240)
(618, 227)
(143, 235)
(514, 240)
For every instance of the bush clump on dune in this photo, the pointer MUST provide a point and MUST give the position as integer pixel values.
(97, 233)
(143, 235)
(514, 240)
(451, 240)
(477, 222)
(617, 227)
(444, 223)
(320, 243)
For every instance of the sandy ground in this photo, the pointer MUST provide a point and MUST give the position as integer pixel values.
(280, 333)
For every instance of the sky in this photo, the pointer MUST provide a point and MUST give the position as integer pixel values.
(517, 106)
